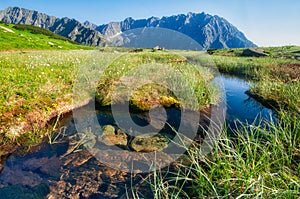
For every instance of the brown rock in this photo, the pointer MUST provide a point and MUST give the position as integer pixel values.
(48, 166)
(113, 139)
(149, 142)
(109, 130)
(254, 53)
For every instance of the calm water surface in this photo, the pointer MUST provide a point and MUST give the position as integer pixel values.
(47, 172)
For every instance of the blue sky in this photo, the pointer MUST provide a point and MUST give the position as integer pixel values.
(265, 22)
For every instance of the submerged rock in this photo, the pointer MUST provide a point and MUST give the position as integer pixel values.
(83, 176)
(149, 142)
(108, 130)
(109, 137)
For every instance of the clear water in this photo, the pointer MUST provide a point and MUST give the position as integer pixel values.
(33, 175)
(240, 106)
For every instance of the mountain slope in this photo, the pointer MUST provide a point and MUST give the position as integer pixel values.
(26, 37)
(90, 25)
(209, 31)
(66, 27)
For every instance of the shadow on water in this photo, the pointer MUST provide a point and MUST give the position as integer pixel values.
(53, 171)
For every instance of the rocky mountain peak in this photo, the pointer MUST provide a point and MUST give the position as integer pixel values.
(90, 25)
(66, 27)
(209, 31)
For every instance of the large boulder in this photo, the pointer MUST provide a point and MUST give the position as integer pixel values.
(254, 53)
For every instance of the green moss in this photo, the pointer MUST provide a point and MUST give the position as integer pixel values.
(169, 101)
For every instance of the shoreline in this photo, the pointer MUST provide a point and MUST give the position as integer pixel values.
(12, 147)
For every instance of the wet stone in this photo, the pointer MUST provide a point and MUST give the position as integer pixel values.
(149, 143)
(89, 140)
(109, 130)
(77, 159)
(109, 139)
(135, 162)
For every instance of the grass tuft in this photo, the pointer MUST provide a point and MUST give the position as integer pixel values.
(259, 162)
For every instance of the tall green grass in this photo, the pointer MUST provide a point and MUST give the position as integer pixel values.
(260, 162)
(171, 76)
(33, 86)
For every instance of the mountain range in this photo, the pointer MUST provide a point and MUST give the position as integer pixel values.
(209, 31)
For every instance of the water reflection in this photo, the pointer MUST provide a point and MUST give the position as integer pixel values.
(240, 106)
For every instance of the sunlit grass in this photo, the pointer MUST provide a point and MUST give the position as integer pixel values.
(39, 85)
(33, 86)
(172, 77)
(259, 162)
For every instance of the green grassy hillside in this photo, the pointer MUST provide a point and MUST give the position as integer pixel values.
(25, 37)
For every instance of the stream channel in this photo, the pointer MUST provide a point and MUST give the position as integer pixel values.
(55, 171)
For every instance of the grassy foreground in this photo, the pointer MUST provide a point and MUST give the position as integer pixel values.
(171, 77)
(260, 162)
